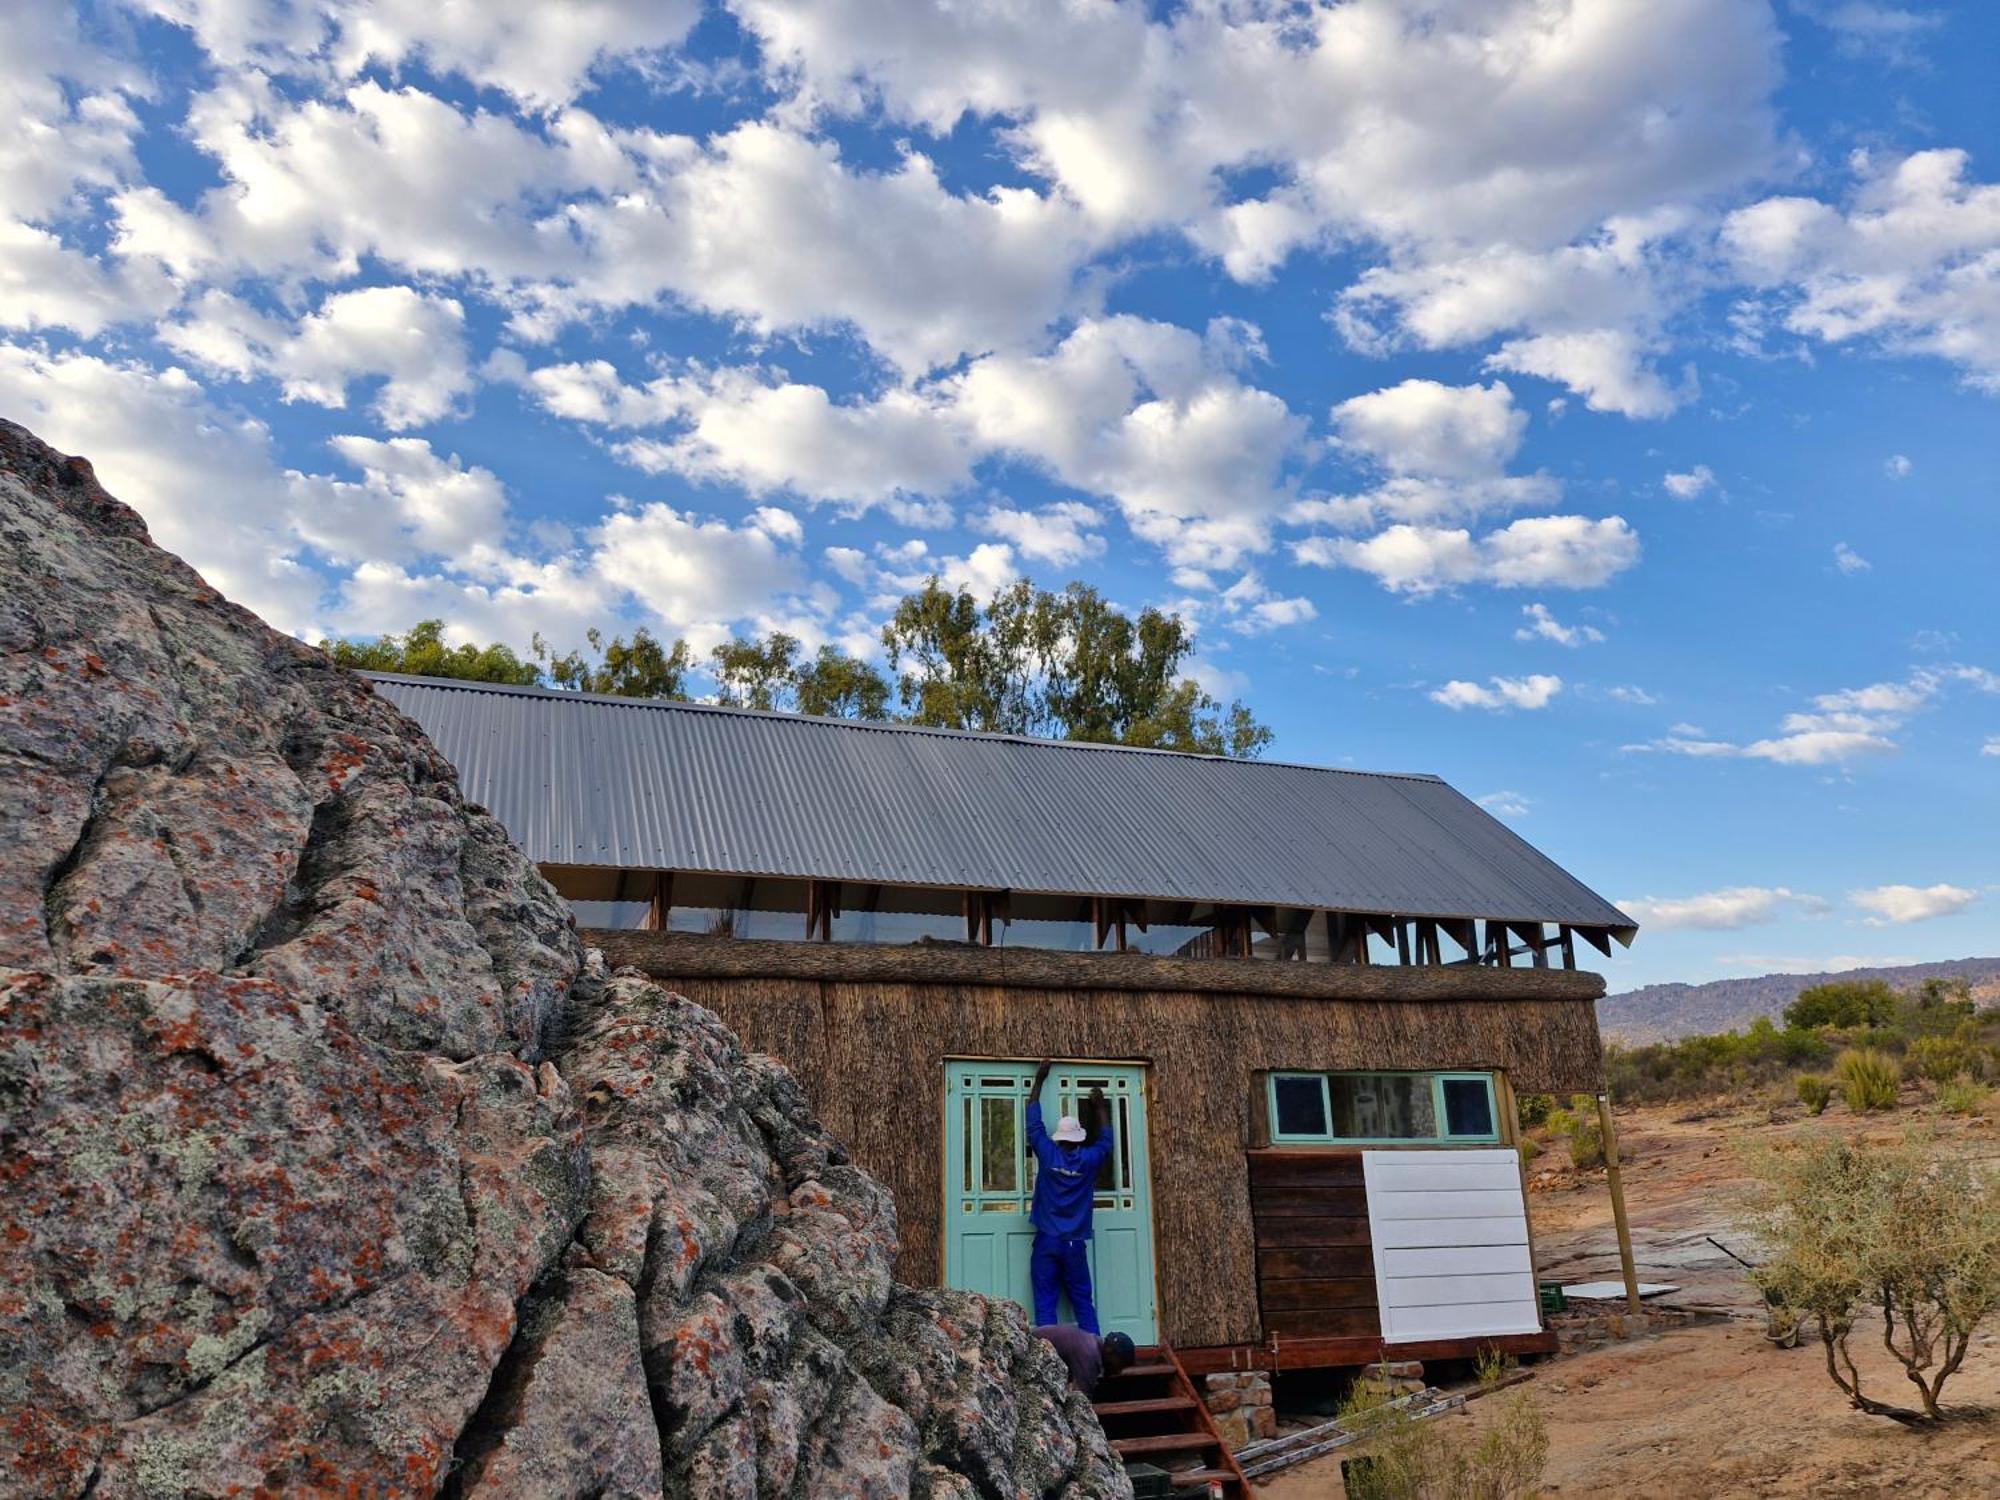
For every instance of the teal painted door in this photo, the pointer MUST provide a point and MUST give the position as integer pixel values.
(990, 1182)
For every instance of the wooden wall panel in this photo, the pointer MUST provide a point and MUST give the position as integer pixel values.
(1322, 1288)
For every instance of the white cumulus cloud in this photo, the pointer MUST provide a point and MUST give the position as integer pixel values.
(1535, 552)
(1690, 483)
(1499, 693)
(1735, 906)
(1897, 904)
(1544, 626)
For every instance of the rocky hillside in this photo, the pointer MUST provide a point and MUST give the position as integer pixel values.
(1661, 1012)
(334, 1165)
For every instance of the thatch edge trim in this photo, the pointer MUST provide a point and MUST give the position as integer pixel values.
(670, 955)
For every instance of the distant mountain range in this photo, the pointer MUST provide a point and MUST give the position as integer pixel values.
(1661, 1012)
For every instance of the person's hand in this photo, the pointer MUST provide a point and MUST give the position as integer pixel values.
(1041, 1077)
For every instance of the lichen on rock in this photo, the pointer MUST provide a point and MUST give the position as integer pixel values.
(330, 1162)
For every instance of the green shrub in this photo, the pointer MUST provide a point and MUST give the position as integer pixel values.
(1962, 1096)
(1868, 1079)
(1843, 1002)
(1942, 1058)
(1578, 1125)
(1529, 1147)
(1814, 1092)
(1938, 1007)
(1533, 1109)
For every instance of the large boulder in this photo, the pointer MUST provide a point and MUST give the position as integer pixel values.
(330, 1161)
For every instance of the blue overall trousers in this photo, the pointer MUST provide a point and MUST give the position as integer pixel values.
(1065, 1189)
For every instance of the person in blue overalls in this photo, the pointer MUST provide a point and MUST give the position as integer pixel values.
(1065, 1193)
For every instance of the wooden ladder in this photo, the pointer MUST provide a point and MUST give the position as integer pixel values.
(1152, 1414)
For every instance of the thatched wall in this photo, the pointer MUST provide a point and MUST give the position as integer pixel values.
(871, 1054)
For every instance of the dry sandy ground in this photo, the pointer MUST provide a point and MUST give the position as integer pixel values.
(1714, 1410)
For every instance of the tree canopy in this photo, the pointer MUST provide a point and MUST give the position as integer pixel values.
(1066, 664)
(423, 653)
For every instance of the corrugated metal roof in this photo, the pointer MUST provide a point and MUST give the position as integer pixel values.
(580, 779)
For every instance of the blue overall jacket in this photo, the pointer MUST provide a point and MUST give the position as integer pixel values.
(1067, 1180)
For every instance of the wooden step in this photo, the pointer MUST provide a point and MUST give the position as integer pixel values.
(1141, 1372)
(1166, 1442)
(1191, 1478)
(1143, 1408)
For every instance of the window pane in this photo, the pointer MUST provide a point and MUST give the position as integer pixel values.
(1468, 1107)
(1383, 1107)
(1301, 1105)
(999, 1160)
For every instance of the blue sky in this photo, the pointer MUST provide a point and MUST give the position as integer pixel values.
(1596, 404)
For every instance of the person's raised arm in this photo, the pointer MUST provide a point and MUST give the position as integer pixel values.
(1038, 1135)
(1102, 1138)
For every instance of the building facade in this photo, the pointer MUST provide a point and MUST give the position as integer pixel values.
(1310, 996)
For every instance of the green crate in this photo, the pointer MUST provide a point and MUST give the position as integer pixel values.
(1149, 1482)
(1553, 1300)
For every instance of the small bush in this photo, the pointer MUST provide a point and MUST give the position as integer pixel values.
(1814, 1092)
(1943, 1058)
(1962, 1096)
(1868, 1079)
(1534, 1109)
(1529, 1147)
(1405, 1458)
(1578, 1126)
(1909, 1230)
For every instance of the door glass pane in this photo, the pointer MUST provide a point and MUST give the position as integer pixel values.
(999, 1147)
(968, 1178)
(1468, 1107)
(1383, 1107)
(1301, 1105)
(1115, 1171)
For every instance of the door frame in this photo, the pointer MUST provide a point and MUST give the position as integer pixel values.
(1147, 1075)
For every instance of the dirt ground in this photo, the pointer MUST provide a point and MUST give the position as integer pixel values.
(1714, 1411)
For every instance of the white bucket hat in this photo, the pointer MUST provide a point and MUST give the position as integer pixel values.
(1069, 1129)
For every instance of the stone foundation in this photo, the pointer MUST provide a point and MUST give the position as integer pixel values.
(1240, 1402)
(1392, 1378)
(1586, 1327)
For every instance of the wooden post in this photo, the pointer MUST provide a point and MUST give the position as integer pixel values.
(663, 901)
(1624, 1226)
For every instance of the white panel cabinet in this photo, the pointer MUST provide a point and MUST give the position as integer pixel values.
(1450, 1234)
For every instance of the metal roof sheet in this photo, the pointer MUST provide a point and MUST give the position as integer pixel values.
(580, 779)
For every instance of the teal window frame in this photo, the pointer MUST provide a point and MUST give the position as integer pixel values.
(1328, 1138)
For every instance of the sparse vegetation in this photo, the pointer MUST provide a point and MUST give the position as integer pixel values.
(1578, 1126)
(1962, 1096)
(1869, 1079)
(1934, 1031)
(1942, 1058)
(1814, 1093)
(1410, 1459)
(1910, 1230)
(1533, 1110)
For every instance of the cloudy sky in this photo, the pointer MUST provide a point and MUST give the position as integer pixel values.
(1596, 403)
